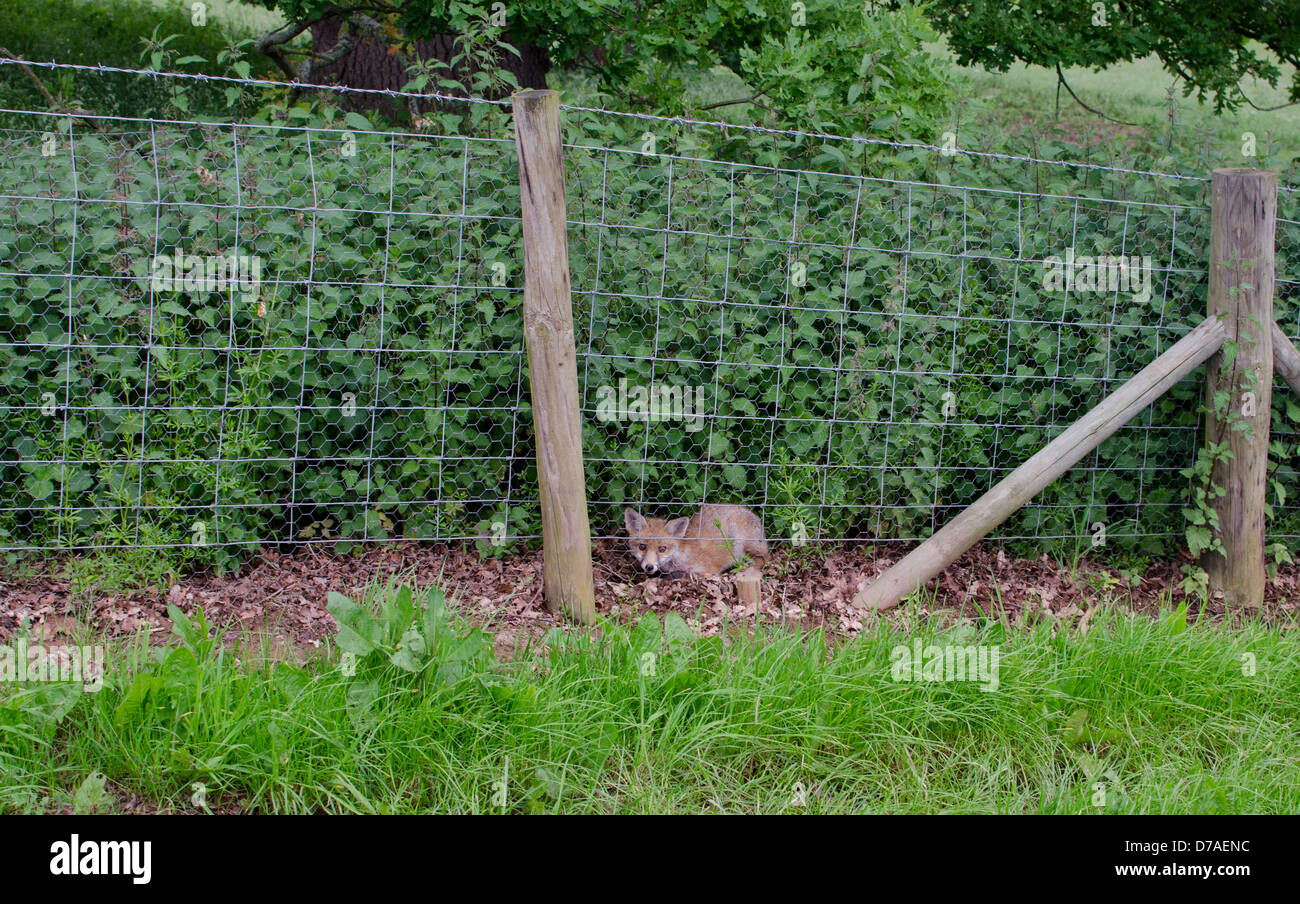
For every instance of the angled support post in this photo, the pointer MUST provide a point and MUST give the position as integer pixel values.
(1053, 460)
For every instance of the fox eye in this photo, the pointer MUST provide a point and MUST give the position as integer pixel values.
(662, 548)
(642, 547)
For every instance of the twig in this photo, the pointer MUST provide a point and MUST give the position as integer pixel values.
(353, 23)
(50, 99)
(752, 99)
(728, 103)
(270, 44)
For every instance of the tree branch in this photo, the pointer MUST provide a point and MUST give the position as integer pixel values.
(1266, 109)
(55, 103)
(1061, 82)
(752, 99)
(271, 44)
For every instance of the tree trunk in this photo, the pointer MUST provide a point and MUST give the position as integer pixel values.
(370, 65)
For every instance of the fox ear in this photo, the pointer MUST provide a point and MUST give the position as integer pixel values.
(677, 527)
(633, 520)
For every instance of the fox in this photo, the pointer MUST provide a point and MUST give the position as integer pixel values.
(716, 539)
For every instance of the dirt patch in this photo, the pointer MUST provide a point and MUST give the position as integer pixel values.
(280, 598)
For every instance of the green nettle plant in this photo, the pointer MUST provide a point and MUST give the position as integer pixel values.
(194, 416)
(854, 69)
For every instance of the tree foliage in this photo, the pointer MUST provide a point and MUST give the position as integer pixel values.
(821, 63)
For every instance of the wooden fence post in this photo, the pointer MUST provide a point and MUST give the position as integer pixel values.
(1240, 385)
(552, 358)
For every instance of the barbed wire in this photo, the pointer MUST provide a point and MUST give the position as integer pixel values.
(882, 142)
(103, 68)
(648, 117)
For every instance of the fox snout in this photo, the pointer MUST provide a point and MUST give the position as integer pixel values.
(650, 560)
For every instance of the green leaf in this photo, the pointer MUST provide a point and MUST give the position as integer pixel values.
(145, 689)
(647, 633)
(359, 633)
(1199, 539)
(1229, 354)
(359, 122)
(361, 700)
(91, 795)
(182, 627)
(180, 670)
(411, 652)
(1176, 621)
(434, 612)
(676, 631)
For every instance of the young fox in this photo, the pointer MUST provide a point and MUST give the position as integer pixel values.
(715, 539)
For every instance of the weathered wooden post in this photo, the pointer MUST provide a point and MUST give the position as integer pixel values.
(552, 359)
(749, 587)
(1240, 385)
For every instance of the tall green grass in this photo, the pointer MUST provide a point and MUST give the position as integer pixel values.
(1139, 715)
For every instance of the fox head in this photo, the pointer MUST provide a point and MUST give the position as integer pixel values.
(654, 542)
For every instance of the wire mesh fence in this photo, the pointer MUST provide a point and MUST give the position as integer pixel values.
(1284, 479)
(863, 357)
(221, 335)
(234, 334)
(866, 355)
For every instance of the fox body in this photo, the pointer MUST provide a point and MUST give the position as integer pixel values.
(715, 539)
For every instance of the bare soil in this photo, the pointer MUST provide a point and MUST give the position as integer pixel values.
(281, 597)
